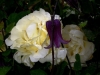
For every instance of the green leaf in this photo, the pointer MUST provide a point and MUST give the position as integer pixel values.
(4, 70)
(20, 2)
(77, 57)
(1, 36)
(22, 14)
(1, 25)
(6, 53)
(90, 69)
(37, 72)
(9, 27)
(12, 18)
(61, 67)
(77, 64)
(2, 15)
(90, 34)
(87, 74)
(1, 43)
(83, 24)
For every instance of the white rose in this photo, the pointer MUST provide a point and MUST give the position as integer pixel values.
(59, 55)
(78, 44)
(29, 37)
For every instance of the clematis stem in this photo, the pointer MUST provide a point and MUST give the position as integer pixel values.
(68, 61)
(69, 65)
(52, 71)
(52, 19)
(55, 9)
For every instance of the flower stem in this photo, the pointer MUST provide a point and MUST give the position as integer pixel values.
(68, 61)
(52, 19)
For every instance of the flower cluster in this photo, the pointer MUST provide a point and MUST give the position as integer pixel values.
(30, 38)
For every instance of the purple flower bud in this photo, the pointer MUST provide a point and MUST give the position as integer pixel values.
(54, 32)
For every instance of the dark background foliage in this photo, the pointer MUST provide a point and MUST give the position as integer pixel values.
(86, 15)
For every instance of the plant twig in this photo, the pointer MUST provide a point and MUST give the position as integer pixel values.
(52, 19)
(68, 61)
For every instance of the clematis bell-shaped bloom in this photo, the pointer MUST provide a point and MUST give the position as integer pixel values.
(54, 32)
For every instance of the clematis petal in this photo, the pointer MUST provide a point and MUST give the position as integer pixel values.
(58, 34)
(54, 31)
(50, 32)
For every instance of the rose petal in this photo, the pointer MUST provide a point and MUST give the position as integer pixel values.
(8, 41)
(15, 34)
(62, 53)
(17, 57)
(33, 59)
(31, 29)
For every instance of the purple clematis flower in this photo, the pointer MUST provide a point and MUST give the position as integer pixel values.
(54, 32)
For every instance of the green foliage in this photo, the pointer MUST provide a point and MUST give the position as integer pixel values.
(83, 24)
(87, 74)
(2, 15)
(77, 64)
(13, 18)
(6, 55)
(1, 43)
(1, 25)
(9, 27)
(90, 34)
(37, 72)
(89, 70)
(4, 70)
(60, 68)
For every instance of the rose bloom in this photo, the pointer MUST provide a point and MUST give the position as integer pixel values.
(78, 44)
(59, 55)
(29, 37)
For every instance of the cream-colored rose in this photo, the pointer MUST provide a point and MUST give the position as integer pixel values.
(59, 55)
(29, 37)
(78, 44)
